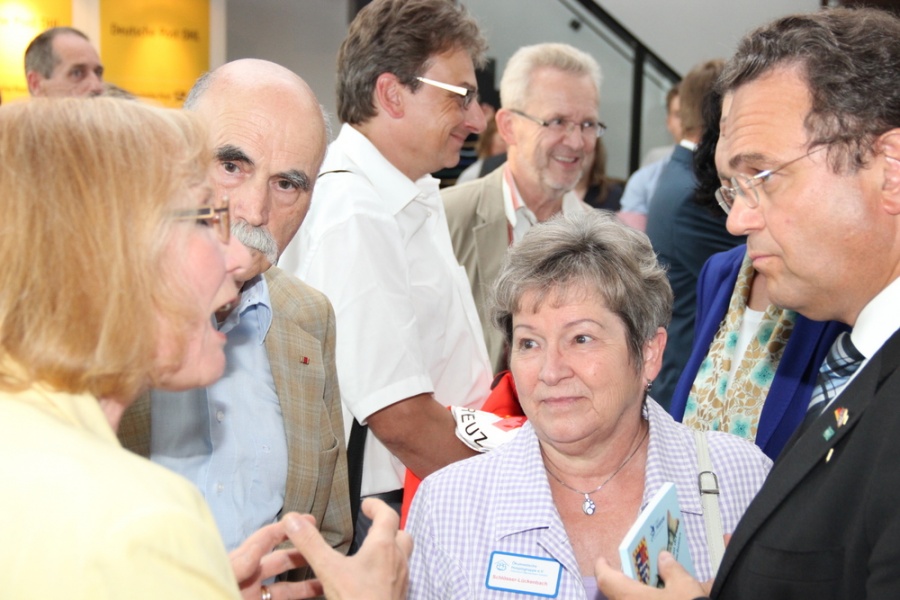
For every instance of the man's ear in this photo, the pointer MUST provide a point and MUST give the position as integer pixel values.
(889, 146)
(504, 119)
(389, 95)
(33, 79)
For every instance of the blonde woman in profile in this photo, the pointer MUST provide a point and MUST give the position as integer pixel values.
(115, 257)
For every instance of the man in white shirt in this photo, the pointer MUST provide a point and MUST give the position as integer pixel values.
(376, 243)
(550, 97)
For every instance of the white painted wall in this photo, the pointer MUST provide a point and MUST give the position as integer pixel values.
(302, 35)
(684, 32)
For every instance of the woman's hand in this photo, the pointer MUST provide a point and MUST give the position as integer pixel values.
(379, 570)
(679, 585)
(254, 562)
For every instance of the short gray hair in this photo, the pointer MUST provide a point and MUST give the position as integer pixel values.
(197, 90)
(593, 251)
(516, 80)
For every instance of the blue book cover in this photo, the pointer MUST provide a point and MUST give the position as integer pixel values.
(659, 527)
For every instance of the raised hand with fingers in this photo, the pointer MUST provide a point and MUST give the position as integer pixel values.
(380, 570)
(254, 561)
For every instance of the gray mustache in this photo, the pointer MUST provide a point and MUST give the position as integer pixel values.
(256, 238)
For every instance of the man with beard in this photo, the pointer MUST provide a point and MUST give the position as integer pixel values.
(268, 437)
(550, 97)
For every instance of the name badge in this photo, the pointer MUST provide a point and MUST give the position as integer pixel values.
(523, 574)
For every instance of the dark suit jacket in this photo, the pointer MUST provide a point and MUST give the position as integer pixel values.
(684, 236)
(791, 389)
(829, 529)
(303, 326)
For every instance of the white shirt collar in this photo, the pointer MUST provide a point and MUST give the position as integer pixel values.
(518, 215)
(396, 189)
(878, 321)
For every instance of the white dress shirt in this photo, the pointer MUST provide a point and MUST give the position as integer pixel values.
(377, 244)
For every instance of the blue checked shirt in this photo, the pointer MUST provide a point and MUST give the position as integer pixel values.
(501, 501)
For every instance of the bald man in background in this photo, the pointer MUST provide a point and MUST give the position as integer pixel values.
(62, 62)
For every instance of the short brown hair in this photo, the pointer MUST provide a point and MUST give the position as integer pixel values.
(693, 89)
(88, 189)
(399, 37)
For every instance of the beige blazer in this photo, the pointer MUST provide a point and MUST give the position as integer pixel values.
(303, 327)
(479, 233)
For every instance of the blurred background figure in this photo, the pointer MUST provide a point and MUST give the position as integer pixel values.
(753, 365)
(491, 151)
(597, 189)
(642, 184)
(62, 62)
(684, 235)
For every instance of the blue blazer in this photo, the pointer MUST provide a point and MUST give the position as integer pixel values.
(791, 389)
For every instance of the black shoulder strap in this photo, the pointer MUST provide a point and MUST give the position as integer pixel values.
(356, 450)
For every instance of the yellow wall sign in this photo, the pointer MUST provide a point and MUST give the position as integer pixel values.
(155, 49)
(20, 22)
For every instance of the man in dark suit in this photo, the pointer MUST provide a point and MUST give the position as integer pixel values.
(809, 155)
(684, 234)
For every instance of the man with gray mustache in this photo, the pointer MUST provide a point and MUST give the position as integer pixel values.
(268, 437)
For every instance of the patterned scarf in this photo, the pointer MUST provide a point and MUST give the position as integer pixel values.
(735, 406)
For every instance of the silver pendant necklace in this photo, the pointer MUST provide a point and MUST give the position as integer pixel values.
(588, 507)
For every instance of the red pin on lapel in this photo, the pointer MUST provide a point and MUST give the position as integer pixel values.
(841, 416)
(304, 360)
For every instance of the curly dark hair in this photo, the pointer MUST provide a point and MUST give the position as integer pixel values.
(705, 156)
(851, 61)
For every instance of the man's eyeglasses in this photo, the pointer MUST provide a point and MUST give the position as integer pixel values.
(468, 95)
(747, 187)
(560, 126)
(211, 216)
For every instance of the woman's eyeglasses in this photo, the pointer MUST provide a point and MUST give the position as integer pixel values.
(218, 217)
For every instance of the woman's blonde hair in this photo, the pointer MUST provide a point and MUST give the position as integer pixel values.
(88, 189)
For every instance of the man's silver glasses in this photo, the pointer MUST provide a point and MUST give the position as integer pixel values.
(560, 126)
(468, 95)
(212, 216)
(747, 187)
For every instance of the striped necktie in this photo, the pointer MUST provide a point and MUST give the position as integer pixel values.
(842, 361)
